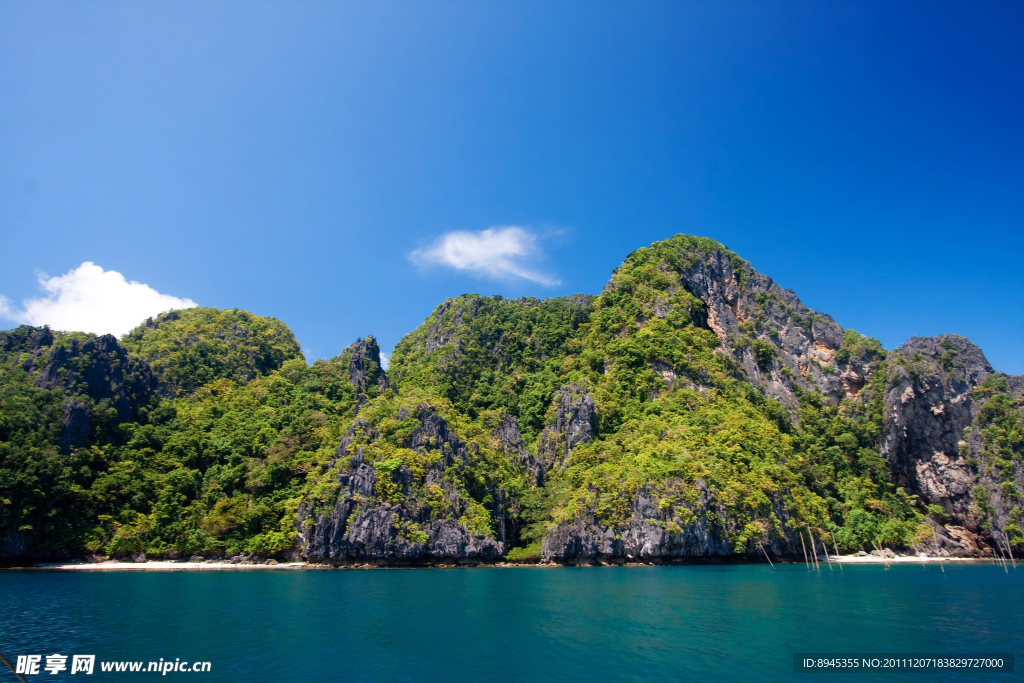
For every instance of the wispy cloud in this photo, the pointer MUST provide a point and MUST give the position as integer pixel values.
(90, 299)
(499, 253)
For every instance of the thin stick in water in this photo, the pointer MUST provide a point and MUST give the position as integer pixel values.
(879, 552)
(13, 670)
(836, 546)
(814, 544)
(814, 559)
(936, 535)
(918, 553)
(766, 555)
(1009, 549)
(824, 547)
(804, 546)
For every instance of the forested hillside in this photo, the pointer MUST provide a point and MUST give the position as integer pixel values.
(693, 409)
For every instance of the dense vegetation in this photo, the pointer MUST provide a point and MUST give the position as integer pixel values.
(237, 431)
(187, 349)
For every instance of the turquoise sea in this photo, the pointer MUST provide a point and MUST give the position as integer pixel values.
(697, 623)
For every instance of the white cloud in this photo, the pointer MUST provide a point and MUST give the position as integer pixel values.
(500, 253)
(90, 299)
(384, 360)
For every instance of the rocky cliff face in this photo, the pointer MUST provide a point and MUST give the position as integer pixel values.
(573, 424)
(514, 448)
(364, 367)
(928, 405)
(939, 438)
(89, 371)
(25, 345)
(662, 535)
(779, 342)
(102, 369)
(386, 512)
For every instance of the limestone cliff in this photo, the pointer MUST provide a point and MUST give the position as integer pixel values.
(365, 370)
(939, 436)
(572, 424)
(701, 530)
(778, 341)
(392, 513)
(693, 410)
(88, 370)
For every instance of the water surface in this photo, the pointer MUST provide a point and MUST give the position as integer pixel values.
(715, 623)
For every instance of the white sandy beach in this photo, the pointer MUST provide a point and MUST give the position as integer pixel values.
(158, 565)
(875, 559)
(166, 566)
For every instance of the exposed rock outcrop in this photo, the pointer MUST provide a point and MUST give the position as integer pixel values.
(658, 534)
(385, 512)
(573, 424)
(102, 369)
(777, 340)
(364, 366)
(98, 368)
(511, 442)
(28, 342)
(933, 442)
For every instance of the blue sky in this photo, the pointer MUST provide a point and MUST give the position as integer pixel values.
(307, 160)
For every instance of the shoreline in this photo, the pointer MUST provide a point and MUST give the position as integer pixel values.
(874, 559)
(159, 565)
(170, 565)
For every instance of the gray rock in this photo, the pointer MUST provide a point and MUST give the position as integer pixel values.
(930, 401)
(508, 435)
(652, 534)
(26, 340)
(805, 342)
(102, 369)
(575, 416)
(355, 525)
(364, 365)
(15, 542)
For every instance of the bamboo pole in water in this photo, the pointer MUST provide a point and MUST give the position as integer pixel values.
(814, 549)
(824, 547)
(879, 549)
(1009, 549)
(936, 535)
(766, 555)
(804, 546)
(1002, 558)
(13, 670)
(836, 546)
(918, 552)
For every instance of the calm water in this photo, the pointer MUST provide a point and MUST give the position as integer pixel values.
(524, 624)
